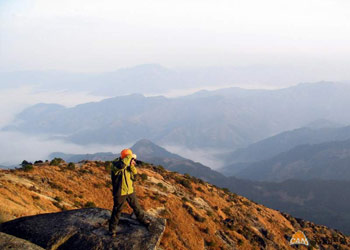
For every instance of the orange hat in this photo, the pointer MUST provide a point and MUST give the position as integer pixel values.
(125, 152)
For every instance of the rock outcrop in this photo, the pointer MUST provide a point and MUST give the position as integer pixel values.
(85, 229)
(8, 242)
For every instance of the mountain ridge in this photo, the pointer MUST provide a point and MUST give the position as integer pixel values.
(199, 215)
(219, 119)
(328, 160)
(282, 142)
(281, 196)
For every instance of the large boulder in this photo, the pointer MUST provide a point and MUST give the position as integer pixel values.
(10, 242)
(85, 229)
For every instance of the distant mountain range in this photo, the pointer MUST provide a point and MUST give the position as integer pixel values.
(322, 201)
(150, 78)
(149, 152)
(102, 156)
(229, 118)
(270, 147)
(328, 161)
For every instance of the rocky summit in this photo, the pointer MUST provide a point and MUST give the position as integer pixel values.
(83, 229)
(69, 205)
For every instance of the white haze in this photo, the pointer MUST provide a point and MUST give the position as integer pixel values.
(207, 156)
(97, 36)
(13, 101)
(188, 91)
(16, 147)
(309, 40)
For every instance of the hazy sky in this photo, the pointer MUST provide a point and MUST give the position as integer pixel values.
(93, 36)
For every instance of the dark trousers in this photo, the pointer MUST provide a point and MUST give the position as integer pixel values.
(118, 206)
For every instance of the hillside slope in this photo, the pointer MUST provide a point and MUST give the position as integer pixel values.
(321, 201)
(199, 215)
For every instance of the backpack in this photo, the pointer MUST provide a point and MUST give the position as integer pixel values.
(117, 164)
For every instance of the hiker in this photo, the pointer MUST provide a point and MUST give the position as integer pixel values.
(123, 176)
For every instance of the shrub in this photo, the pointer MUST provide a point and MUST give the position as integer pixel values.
(143, 176)
(164, 212)
(184, 199)
(98, 185)
(38, 162)
(209, 213)
(26, 166)
(155, 197)
(58, 205)
(55, 186)
(78, 204)
(247, 203)
(158, 169)
(35, 197)
(210, 243)
(71, 166)
(164, 188)
(89, 204)
(58, 199)
(24, 162)
(200, 189)
(184, 182)
(227, 211)
(205, 230)
(108, 166)
(199, 218)
(196, 216)
(56, 161)
(201, 181)
(83, 171)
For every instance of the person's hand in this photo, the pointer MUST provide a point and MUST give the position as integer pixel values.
(133, 162)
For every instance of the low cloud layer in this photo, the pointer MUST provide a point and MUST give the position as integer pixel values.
(16, 147)
(13, 101)
(208, 157)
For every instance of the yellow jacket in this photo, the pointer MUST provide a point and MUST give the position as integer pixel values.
(123, 176)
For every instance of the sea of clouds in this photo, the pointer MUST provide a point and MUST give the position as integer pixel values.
(16, 147)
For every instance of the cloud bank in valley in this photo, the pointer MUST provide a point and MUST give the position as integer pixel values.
(15, 147)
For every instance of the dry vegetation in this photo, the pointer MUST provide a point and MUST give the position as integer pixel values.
(199, 215)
